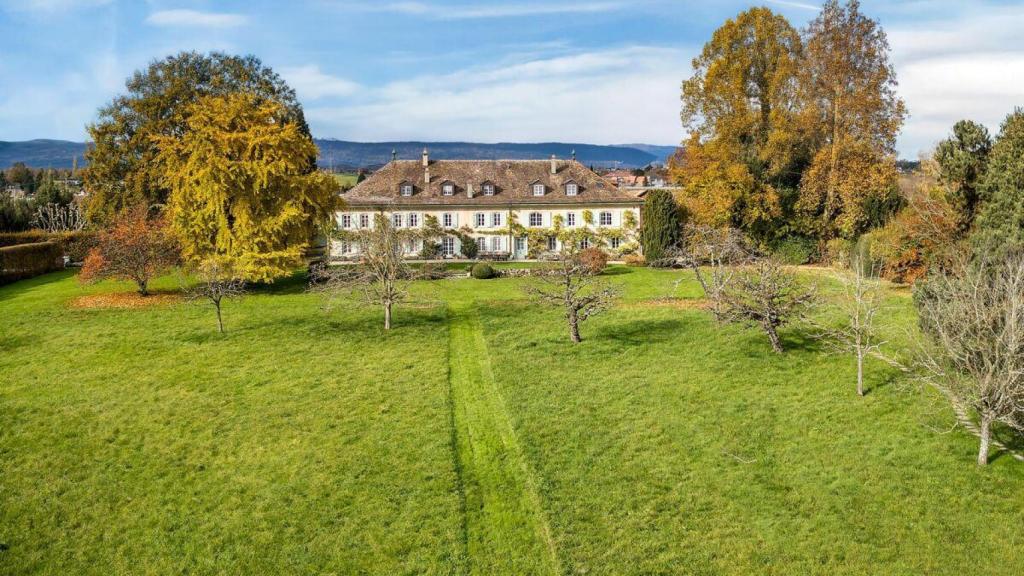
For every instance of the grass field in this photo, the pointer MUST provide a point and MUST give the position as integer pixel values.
(346, 179)
(474, 438)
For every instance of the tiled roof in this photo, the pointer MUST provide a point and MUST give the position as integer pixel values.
(512, 179)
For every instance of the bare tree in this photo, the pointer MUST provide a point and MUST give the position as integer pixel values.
(861, 302)
(217, 282)
(714, 255)
(767, 295)
(568, 283)
(972, 314)
(381, 276)
(60, 218)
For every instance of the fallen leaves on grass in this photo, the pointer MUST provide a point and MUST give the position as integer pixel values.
(124, 300)
(678, 303)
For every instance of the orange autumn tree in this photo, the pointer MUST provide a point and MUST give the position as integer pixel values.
(739, 107)
(851, 114)
(137, 247)
(241, 189)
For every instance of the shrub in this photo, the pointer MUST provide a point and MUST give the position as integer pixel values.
(433, 271)
(28, 260)
(469, 247)
(136, 248)
(794, 250)
(838, 252)
(76, 245)
(431, 250)
(482, 271)
(593, 260)
(661, 225)
(634, 260)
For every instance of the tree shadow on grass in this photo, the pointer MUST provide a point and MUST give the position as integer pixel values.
(29, 284)
(297, 283)
(639, 332)
(617, 271)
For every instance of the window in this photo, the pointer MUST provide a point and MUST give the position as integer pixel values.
(570, 218)
(496, 219)
(552, 243)
(448, 189)
(396, 220)
(488, 189)
(406, 189)
(616, 242)
(605, 219)
(521, 244)
(536, 219)
(495, 243)
(448, 246)
(364, 220)
(346, 220)
(413, 220)
(538, 189)
(480, 219)
(447, 220)
(585, 243)
(481, 243)
(571, 189)
(346, 247)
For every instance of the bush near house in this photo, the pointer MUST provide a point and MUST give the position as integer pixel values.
(483, 271)
(593, 260)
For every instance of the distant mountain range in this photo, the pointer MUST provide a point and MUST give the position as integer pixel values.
(344, 155)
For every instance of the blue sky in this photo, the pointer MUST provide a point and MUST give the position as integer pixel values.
(600, 71)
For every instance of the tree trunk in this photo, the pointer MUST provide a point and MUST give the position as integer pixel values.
(143, 288)
(574, 327)
(986, 424)
(860, 372)
(773, 337)
(220, 321)
(387, 315)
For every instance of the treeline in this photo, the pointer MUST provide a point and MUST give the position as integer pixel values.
(38, 188)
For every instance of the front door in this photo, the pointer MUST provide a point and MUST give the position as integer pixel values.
(521, 249)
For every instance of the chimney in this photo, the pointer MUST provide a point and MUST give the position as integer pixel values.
(394, 155)
(426, 168)
(469, 190)
(573, 154)
(426, 158)
(554, 165)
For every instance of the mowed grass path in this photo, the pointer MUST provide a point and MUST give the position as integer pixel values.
(474, 438)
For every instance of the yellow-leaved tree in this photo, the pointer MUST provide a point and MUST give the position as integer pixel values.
(240, 187)
(740, 109)
(852, 115)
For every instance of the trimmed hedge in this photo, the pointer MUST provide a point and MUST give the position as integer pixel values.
(29, 260)
(27, 237)
(75, 245)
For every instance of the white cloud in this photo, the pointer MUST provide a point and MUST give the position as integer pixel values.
(966, 66)
(488, 10)
(195, 18)
(791, 4)
(310, 83)
(610, 96)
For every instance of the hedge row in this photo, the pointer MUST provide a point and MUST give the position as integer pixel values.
(28, 260)
(74, 244)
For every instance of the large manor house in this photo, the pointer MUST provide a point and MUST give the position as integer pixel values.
(512, 209)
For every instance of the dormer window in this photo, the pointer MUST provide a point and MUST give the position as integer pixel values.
(448, 189)
(571, 189)
(488, 189)
(405, 189)
(538, 189)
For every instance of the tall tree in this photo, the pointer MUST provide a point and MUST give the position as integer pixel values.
(661, 225)
(240, 188)
(740, 107)
(1000, 223)
(123, 167)
(851, 114)
(962, 160)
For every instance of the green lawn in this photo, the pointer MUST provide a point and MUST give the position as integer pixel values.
(347, 179)
(473, 438)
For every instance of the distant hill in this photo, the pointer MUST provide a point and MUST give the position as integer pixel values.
(344, 155)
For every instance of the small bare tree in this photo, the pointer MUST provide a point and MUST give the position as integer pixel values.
(568, 283)
(767, 295)
(381, 276)
(217, 282)
(714, 255)
(861, 302)
(55, 218)
(972, 314)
